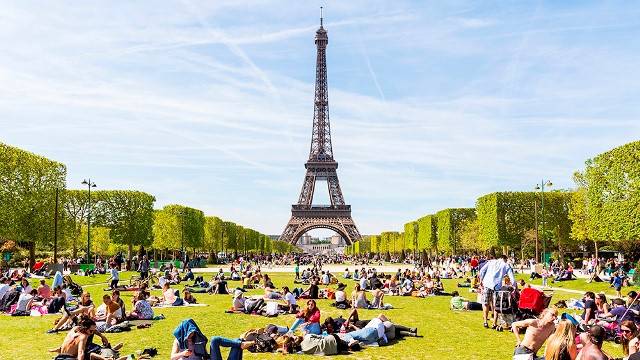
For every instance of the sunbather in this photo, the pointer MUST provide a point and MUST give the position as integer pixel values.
(77, 343)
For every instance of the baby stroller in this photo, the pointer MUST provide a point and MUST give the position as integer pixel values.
(503, 304)
(533, 302)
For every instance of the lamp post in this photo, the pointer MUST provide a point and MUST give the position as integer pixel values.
(540, 187)
(89, 186)
(182, 231)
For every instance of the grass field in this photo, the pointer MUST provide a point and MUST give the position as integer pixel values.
(446, 334)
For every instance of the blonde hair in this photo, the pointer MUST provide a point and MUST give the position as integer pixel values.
(562, 340)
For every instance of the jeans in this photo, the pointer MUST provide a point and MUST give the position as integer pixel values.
(234, 344)
(365, 335)
(313, 328)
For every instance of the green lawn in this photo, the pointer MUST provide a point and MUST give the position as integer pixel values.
(447, 334)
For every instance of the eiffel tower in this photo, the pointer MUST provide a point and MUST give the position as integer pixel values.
(321, 166)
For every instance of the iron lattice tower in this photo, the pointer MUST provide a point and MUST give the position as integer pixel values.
(321, 166)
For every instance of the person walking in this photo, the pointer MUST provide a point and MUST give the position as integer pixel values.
(143, 268)
(491, 275)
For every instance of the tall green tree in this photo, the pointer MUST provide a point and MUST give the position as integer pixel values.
(613, 193)
(28, 184)
(450, 222)
(129, 215)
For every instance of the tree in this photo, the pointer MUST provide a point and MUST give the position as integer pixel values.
(613, 193)
(129, 215)
(450, 221)
(411, 233)
(28, 185)
(213, 235)
(428, 233)
(506, 216)
(581, 224)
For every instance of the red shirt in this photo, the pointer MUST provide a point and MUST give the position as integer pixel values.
(474, 262)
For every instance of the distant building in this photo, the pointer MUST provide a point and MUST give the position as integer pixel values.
(313, 245)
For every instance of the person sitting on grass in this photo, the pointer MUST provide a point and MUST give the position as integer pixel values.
(561, 344)
(78, 345)
(109, 311)
(629, 337)
(85, 307)
(188, 297)
(537, 332)
(308, 318)
(378, 297)
(592, 340)
(312, 291)
(590, 308)
(290, 304)
(44, 291)
(602, 306)
(407, 287)
(25, 302)
(359, 298)
(341, 297)
(460, 303)
(238, 300)
(347, 274)
(142, 310)
(189, 343)
(618, 314)
(115, 297)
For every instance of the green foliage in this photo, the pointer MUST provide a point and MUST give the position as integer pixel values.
(505, 217)
(28, 184)
(176, 226)
(411, 233)
(428, 233)
(129, 215)
(613, 193)
(450, 222)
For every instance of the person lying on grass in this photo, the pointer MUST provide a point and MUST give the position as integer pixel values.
(537, 332)
(190, 344)
(78, 345)
(353, 323)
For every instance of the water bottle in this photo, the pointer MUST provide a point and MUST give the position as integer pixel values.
(343, 330)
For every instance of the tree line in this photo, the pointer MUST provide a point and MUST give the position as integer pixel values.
(37, 212)
(601, 212)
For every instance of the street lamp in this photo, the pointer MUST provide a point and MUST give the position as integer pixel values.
(540, 187)
(89, 186)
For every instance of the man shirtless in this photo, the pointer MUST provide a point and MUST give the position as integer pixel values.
(538, 330)
(75, 344)
(592, 349)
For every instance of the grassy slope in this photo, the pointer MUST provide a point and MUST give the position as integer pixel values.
(447, 334)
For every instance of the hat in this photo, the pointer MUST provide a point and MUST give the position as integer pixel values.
(341, 286)
(238, 293)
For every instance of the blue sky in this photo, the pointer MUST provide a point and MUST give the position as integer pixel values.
(209, 103)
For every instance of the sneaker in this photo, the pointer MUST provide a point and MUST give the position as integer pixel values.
(52, 331)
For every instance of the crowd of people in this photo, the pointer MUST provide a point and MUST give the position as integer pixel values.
(492, 280)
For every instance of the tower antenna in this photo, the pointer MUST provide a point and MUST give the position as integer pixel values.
(321, 16)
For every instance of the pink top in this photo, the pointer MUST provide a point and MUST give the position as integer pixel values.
(44, 291)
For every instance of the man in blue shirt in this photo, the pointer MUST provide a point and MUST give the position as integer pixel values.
(491, 275)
